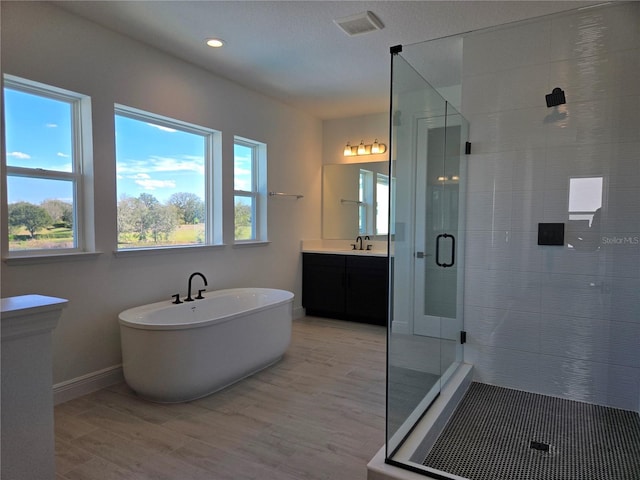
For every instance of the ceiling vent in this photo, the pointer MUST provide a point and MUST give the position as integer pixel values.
(360, 23)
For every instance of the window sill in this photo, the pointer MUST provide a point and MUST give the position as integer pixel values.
(50, 258)
(256, 243)
(134, 252)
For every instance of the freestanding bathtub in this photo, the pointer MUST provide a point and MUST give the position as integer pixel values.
(176, 353)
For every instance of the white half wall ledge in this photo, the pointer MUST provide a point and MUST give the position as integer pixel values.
(27, 439)
(29, 314)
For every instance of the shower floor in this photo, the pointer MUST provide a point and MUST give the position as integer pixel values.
(502, 434)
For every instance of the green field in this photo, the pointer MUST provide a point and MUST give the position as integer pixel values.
(183, 235)
(55, 238)
(46, 238)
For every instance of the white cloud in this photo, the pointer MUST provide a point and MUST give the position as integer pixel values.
(161, 164)
(149, 184)
(63, 155)
(141, 176)
(51, 125)
(20, 155)
(164, 129)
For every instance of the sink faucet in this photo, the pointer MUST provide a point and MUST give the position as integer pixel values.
(189, 299)
(367, 237)
(358, 242)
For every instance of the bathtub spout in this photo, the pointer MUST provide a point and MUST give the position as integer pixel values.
(189, 299)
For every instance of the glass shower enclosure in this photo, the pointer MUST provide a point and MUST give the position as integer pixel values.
(426, 326)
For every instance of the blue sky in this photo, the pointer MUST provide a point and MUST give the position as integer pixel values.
(150, 158)
(41, 140)
(158, 160)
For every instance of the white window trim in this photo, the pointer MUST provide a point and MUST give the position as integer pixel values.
(258, 192)
(212, 174)
(82, 175)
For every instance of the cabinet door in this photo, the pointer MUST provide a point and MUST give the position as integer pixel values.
(367, 289)
(323, 284)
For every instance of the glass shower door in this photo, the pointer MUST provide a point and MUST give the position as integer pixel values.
(438, 237)
(426, 277)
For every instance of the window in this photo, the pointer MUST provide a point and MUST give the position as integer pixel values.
(382, 204)
(585, 198)
(47, 149)
(365, 200)
(585, 208)
(373, 217)
(164, 182)
(249, 187)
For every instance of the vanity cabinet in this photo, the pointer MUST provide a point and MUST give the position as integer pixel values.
(349, 287)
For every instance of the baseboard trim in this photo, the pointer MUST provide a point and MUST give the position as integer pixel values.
(79, 386)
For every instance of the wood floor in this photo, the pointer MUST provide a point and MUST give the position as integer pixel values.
(316, 414)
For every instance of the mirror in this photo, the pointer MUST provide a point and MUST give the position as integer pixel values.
(355, 200)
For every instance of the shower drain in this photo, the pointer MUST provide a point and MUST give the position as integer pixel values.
(540, 446)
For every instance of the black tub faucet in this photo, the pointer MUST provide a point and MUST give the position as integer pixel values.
(189, 299)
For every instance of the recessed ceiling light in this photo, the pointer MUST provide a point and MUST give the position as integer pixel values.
(215, 42)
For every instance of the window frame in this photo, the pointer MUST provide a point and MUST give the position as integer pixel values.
(258, 192)
(212, 175)
(80, 176)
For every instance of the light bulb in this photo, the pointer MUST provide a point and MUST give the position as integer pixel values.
(347, 150)
(361, 148)
(375, 148)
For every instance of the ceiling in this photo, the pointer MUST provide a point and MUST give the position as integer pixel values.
(293, 51)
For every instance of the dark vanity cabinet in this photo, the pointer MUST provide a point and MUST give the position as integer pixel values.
(349, 287)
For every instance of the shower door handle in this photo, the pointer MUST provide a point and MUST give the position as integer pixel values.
(453, 250)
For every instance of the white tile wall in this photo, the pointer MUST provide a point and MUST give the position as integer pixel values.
(555, 320)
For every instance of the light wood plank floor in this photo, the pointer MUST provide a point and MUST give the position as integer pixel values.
(317, 414)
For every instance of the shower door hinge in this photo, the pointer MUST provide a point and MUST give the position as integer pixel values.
(396, 49)
(463, 336)
(467, 148)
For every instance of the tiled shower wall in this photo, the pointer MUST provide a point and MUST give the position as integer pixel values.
(557, 320)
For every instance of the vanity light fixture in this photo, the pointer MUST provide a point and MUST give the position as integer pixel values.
(451, 179)
(362, 149)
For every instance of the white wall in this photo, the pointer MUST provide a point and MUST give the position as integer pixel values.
(43, 43)
(554, 320)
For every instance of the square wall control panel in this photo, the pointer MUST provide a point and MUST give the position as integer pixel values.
(551, 234)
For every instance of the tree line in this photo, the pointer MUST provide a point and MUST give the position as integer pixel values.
(145, 218)
(140, 219)
(50, 213)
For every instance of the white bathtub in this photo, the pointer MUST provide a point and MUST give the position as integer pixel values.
(176, 353)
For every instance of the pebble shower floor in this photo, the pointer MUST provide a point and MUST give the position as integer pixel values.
(502, 434)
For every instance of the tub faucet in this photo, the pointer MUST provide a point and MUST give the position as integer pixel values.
(189, 299)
